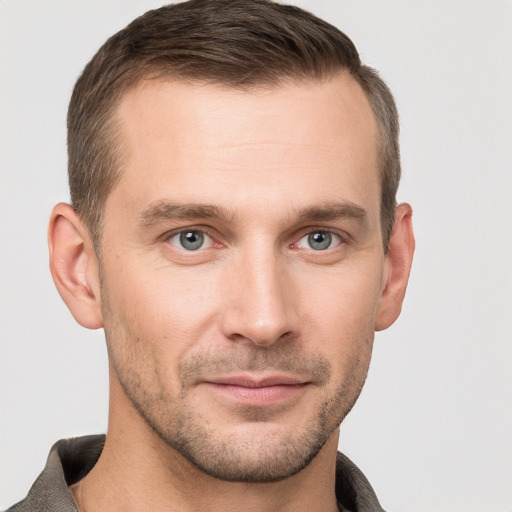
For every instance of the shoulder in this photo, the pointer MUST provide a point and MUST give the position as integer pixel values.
(69, 461)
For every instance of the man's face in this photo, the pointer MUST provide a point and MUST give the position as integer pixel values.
(242, 268)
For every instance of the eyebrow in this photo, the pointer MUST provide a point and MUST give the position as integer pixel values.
(333, 211)
(161, 211)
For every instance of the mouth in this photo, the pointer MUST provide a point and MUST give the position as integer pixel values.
(257, 391)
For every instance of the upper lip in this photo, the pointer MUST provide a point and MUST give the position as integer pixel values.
(257, 381)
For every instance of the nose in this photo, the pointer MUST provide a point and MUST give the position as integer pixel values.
(260, 299)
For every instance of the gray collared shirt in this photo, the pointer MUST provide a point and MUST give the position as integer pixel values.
(71, 459)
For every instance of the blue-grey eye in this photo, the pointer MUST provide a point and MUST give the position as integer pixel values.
(191, 240)
(319, 241)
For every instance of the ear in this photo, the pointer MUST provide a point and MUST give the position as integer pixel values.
(74, 266)
(397, 267)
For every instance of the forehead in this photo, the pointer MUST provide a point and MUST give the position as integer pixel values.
(338, 103)
(207, 143)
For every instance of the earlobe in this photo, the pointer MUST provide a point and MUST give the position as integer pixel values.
(397, 268)
(74, 266)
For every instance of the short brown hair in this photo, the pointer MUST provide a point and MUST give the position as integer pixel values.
(236, 43)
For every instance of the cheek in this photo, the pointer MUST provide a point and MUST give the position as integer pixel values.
(162, 308)
(338, 317)
(344, 300)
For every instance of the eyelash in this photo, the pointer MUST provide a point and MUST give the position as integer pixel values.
(330, 235)
(190, 232)
(333, 236)
(201, 230)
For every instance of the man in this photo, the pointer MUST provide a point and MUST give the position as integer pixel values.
(233, 171)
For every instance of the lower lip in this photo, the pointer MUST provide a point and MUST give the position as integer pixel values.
(258, 396)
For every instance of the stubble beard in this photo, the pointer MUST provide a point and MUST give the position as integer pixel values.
(269, 456)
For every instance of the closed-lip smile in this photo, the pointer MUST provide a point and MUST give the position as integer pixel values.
(257, 390)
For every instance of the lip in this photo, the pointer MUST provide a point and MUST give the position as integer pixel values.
(258, 391)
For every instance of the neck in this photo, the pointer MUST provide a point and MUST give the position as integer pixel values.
(139, 471)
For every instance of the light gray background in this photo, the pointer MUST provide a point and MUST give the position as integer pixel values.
(433, 427)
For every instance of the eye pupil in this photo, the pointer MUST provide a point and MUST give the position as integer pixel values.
(191, 240)
(319, 240)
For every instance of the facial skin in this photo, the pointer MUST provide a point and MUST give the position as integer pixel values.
(240, 347)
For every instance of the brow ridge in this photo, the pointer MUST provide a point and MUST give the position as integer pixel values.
(333, 211)
(162, 210)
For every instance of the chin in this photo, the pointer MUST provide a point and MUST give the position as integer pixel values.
(254, 460)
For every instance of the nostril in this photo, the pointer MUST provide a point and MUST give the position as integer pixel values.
(260, 339)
